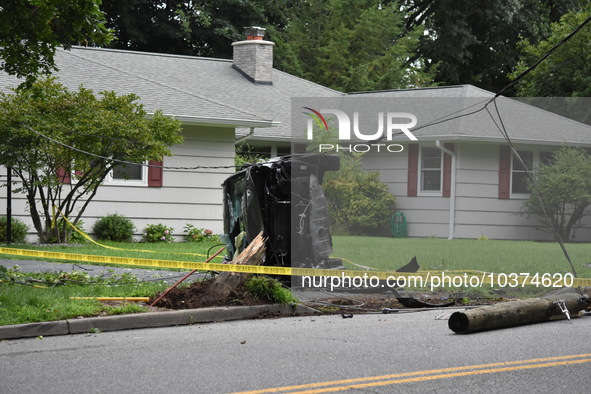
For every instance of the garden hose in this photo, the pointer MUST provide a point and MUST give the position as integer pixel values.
(398, 225)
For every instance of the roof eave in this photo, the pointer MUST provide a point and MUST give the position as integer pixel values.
(500, 139)
(223, 122)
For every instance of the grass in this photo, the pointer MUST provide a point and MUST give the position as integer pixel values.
(385, 253)
(463, 254)
(181, 251)
(26, 304)
(20, 303)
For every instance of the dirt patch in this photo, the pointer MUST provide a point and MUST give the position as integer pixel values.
(195, 296)
(360, 303)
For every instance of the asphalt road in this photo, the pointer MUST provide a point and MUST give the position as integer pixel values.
(411, 352)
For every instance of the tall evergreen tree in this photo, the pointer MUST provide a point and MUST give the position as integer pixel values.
(351, 46)
(200, 27)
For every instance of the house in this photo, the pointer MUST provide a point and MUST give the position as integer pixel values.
(457, 180)
(221, 103)
(460, 179)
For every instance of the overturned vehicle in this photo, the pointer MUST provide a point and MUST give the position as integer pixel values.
(283, 198)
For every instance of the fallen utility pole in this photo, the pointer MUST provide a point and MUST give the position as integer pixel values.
(516, 313)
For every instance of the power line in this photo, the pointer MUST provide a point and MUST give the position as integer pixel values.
(125, 161)
(503, 130)
(541, 59)
(199, 167)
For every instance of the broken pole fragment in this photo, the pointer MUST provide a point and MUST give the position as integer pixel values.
(514, 313)
(227, 282)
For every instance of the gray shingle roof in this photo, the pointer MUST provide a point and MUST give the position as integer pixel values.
(209, 91)
(524, 123)
(200, 90)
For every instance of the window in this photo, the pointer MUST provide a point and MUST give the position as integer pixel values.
(129, 174)
(431, 166)
(532, 160)
(518, 172)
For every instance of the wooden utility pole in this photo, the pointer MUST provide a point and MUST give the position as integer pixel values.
(227, 282)
(515, 313)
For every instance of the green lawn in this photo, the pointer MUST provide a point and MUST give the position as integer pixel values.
(181, 251)
(29, 298)
(21, 304)
(387, 253)
(464, 254)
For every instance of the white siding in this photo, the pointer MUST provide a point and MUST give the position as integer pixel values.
(479, 211)
(187, 196)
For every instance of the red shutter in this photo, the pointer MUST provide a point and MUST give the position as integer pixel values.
(413, 170)
(447, 171)
(63, 176)
(155, 174)
(504, 172)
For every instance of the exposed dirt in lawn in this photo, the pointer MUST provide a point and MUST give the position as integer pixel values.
(193, 296)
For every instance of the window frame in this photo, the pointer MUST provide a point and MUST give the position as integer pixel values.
(421, 191)
(143, 182)
(536, 161)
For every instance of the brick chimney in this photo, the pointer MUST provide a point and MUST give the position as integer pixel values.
(254, 56)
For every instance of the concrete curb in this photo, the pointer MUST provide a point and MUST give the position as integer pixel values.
(150, 320)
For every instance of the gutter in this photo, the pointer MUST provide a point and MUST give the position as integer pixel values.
(244, 138)
(452, 193)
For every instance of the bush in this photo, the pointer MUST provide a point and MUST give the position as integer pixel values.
(565, 184)
(68, 233)
(194, 234)
(358, 202)
(245, 155)
(75, 236)
(114, 228)
(19, 230)
(158, 233)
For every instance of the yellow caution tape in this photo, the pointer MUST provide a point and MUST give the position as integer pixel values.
(444, 278)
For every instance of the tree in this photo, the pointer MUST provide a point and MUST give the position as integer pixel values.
(565, 185)
(201, 27)
(31, 30)
(473, 41)
(351, 46)
(49, 134)
(567, 71)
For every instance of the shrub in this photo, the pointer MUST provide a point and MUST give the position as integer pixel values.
(68, 233)
(75, 236)
(158, 233)
(19, 230)
(245, 155)
(565, 184)
(114, 227)
(358, 202)
(194, 234)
